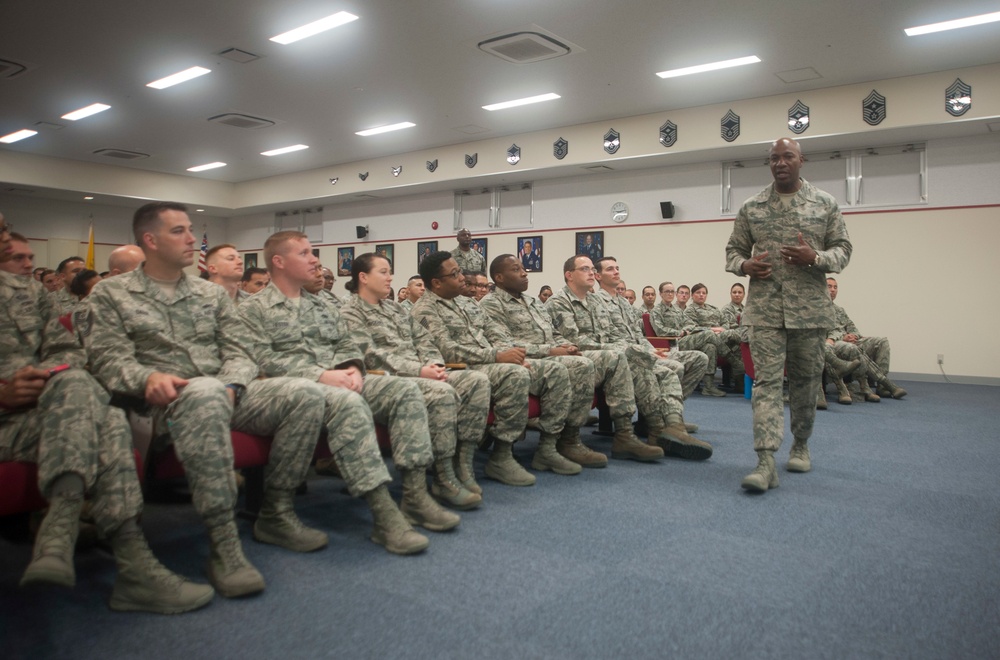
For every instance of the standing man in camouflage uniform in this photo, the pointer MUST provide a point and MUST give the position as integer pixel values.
(873, 351)
(515, 319)
(55, 414)
(460, 337)
(669, 373)
(467, 258)
(580, 317)
(178, 343)
(301, 334)
(458, 402)
(669, 320)
(786, 238)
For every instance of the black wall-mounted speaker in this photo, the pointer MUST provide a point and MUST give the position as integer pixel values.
(667, 209)
(362, 231)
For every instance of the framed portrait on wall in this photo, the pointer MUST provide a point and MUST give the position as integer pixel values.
(529, 251)
(345, 259)
(590, 244)
(425, 249)
(479, 245)
(249, 260)
(386, 250)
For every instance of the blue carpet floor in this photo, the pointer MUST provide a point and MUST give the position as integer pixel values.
(888, 548)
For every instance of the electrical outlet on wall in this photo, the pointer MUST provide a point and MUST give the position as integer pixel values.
(940, 358)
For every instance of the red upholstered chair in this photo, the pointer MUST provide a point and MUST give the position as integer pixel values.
(657, 342)
(749, 373)
(19, 488)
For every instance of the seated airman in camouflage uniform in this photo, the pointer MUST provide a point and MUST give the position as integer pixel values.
(300, 334)
(414, 289)
(733, 312)
(178, 343)
(458, 402)
(668, 372)
(515, 319)
(580, 318)
(669, 320)
(62, 422)
(460, 337)
(708, 317)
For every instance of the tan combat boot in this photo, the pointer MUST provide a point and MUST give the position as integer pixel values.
(866, 391)
(419, 508)
(798, 457)
(449, 490)
(547, 458)
(627, 446)
(843, 394)
(708, 387)
(145, 585)
(821, 399)
(842, 368)
(887, 388)
(764, 476)
(504, 468)
(465, 467)
(52, 559)
(675, 441)
(391, 529)
(277, 524)
(572, 448)
(229, 571)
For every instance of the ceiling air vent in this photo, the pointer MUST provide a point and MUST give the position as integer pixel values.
(237, 55)
(598, 168)
(10, 69)
(241, 121)
(524, 47)
(20, 191)
(121, 154)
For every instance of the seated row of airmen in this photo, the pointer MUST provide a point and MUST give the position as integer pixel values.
(292, 362)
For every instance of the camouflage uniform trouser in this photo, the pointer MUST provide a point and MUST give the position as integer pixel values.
(695, 365)
(399, 404)
(72, 429)
(707, 342)
(509, 384)
(648, 396)
(876, 348)
(670, 388)
(582, 375)
(550, 383)
(351, 438)
(729, 349)
(291, 410)
(615, 378)
(456, 409)
(771, 348)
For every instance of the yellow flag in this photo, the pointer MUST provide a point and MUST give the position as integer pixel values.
(90, 248)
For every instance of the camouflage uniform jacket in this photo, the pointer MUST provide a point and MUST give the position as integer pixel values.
(628, 331)
(459, 335)
(706, 316)
(588, 324)
(331, 297)
(793, 296)
(301, 340)
(843, 325)
(131, 329)
(406, 305)
(64, 301)
(30, 331)
(388, 339)
(670, 321)
(519, 322)
(471, 261)
(731, 315)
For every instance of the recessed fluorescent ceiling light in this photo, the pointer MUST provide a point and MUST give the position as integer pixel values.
(88, 197)
(92, 109)
(206, 166)
(953, 25)
(284, 150)
(177, 78)
(517, 102)
(386, 129)
(701, 68)
(19, 135)
(322, 25)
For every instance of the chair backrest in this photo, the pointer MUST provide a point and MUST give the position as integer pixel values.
(647, 329)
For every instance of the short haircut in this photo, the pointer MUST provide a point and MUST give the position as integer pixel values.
(430, 267)
(497, 264)
(147, 217)
(828, 279)
(663, 284)
(571, 262)
(738, 284)
(275, 241)
(61, 268)
(599, 264)
(650, 287)
(683, 286)
(218, 248)
(413, 277)
(46, 272)
(250, 272)
(78, 286)
(698, 287)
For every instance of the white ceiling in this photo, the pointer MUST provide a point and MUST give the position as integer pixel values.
(409, 60)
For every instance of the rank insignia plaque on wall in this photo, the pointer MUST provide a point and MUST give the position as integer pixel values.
(730, 126)
(873, 109)
(798, 118)
(958, 98)
(514, 154)
(432, 165)
(334, 180)
(470, 161)
(668, 134)
(612, 141)
(363, 175)
(396, 171)
(560, 148)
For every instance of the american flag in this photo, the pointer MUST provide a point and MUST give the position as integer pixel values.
(202, 268)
